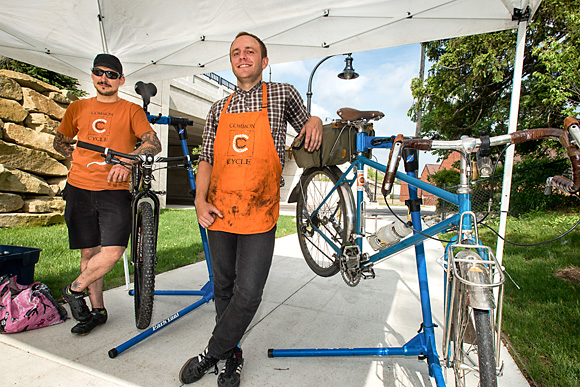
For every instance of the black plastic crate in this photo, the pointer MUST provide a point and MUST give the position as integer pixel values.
(19, 261)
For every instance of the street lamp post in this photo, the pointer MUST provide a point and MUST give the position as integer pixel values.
(347, 73)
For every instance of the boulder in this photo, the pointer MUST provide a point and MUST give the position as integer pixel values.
(59, 98)
(31, 139)
(57, 184)
(9, 89)
(28, 81)
(27, 220)
(69, 95)
(11, 110)
(44, 205)
(10, 202)
(38, 103)
(30, 160)
(41, 123)
(14, 180)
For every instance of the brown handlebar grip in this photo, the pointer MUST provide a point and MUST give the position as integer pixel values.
(418, 143)
(570, 121)
(565, 184)
(535, 134)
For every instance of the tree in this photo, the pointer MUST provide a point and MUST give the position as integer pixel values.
(59, 80)
(468, 90)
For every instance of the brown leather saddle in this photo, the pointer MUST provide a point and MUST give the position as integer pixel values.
(350, 114)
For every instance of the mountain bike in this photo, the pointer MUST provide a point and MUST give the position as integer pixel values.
(145, 222)
(331, 232)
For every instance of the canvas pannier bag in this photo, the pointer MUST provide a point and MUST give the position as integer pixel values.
(26, 307)
(338, 146)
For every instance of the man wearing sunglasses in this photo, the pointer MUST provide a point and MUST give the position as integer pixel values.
(98, 201)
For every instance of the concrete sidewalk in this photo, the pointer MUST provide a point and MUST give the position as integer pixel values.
(299, 310)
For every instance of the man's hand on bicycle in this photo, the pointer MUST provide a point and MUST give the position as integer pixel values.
(312, 134)
(206, 213)
(119, 173)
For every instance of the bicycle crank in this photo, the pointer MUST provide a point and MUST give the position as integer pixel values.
(350, 265)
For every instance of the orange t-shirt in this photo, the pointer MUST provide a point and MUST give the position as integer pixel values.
(115, 125)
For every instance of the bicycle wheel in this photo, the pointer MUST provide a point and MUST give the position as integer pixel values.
(473, 344)
(332, 221)
(144, 262)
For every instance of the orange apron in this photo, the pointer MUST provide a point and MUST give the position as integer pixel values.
(245, 179)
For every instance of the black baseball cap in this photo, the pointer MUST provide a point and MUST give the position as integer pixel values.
(109, 61)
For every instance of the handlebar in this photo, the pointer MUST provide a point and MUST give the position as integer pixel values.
(569, 137)
(109, 154)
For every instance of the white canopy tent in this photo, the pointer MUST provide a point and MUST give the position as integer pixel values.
(160, 40)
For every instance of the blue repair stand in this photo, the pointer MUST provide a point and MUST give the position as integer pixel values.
(422, 345)
(206, 292)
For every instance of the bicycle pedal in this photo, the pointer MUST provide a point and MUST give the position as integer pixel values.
(368, 274)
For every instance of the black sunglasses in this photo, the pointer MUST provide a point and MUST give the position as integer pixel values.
(108, 74)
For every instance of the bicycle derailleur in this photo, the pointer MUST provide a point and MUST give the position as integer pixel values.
(351, 268)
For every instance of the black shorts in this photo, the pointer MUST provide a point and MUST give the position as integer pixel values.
(97, 218)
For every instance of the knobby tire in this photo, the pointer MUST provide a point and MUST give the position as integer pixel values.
(144, 263)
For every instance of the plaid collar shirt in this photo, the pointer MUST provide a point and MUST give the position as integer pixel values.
(284, 106)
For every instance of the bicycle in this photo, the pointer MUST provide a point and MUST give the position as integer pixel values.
(144, 219)
(331, 230)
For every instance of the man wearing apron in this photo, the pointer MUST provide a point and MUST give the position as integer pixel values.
(238, 196)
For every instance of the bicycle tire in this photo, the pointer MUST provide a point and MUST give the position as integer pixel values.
(473, 343)
(144, 264)
(332, 220)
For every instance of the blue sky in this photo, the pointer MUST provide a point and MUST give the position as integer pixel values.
(383, 84)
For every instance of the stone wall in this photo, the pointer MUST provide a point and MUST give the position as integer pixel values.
(32, 172)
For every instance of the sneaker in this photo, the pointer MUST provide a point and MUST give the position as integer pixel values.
(78, 307)
(196, 367)
(98, 317)
(230, 374)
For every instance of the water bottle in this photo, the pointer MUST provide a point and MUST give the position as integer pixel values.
(389, 235)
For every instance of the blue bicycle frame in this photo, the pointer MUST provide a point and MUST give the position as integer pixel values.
(423, 344)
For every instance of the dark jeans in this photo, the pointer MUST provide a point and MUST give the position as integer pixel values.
(241, 264)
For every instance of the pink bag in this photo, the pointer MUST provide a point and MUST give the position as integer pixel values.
(26, 307)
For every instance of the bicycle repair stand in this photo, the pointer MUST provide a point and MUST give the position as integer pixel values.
(206, 291)
(423, 344)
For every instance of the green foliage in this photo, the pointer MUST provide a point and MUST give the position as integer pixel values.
(50, 77)
(541, 315)
(445, 178)
(468, 91)
(527, 190)
(528, 184)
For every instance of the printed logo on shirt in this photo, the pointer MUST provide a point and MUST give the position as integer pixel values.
(241, 147)
(99, 126)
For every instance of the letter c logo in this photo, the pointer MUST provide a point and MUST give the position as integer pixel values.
(239, 142)
(99, 125)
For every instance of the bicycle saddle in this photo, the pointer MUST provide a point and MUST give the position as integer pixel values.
(351, 114)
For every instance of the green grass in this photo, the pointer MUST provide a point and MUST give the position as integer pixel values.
(179, 244)
(542, 317)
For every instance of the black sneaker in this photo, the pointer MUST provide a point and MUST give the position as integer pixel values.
(196, 367)
(98, 317)
(230, 374)
(78, 307)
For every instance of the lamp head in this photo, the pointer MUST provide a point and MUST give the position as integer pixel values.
(348, 72)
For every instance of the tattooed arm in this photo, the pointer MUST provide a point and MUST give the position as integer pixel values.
(149, 144)
(63, 145)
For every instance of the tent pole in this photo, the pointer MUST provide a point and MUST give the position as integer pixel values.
(513, 124)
